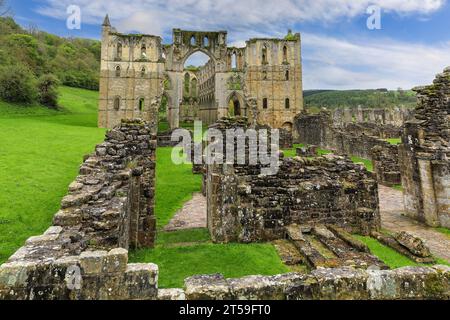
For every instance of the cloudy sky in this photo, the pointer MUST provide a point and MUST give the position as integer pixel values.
(339, 50)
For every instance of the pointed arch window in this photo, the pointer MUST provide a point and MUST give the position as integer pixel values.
(118, 71)
(285, 54)
(119, 51)
(264, 55)
(193, 41)
(234, 61)
(206, 41)
(287, 103)
(265, 103)
(286, 75)
(144, 51)
(143, 72)
(141, 104)
(117, 103)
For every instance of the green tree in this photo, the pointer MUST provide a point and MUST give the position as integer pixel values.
(17, 84)
(48, 90)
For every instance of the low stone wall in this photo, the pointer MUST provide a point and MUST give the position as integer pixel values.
(245, 206)
(383, 117)
(110, 208)
(385, 165)
(410, 283)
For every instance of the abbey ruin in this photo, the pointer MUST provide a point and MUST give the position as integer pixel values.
(314, 209)
(138, 71)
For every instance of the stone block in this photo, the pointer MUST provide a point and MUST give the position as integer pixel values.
(92, 262)
(207, 287)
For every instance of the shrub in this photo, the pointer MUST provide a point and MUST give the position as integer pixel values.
(17, 84)
(48, 90)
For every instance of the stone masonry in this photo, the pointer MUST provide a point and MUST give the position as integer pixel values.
(138, 70)
(109, 209)
(425, 155)
(246, 206)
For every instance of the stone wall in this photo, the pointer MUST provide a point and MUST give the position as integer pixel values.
(425, 155)
(385, 165)
(394, 117)
(410, 283)
(109, 209)
(245, 206)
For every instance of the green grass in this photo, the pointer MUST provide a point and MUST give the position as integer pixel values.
(398, 187)
(389, 256)
(367, 163)
(231, 260)
(40, 153)
(394, 141)
(444, 231)
(175, 185)
(183, 236)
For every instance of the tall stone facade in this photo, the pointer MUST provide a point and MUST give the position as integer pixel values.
(138, 70)
(425, 155)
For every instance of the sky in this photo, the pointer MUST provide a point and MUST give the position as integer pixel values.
(408, 47)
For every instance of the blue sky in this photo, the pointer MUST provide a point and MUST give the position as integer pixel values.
(339, 51)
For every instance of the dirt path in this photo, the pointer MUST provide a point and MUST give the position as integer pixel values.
(191, 216)
(391, 206)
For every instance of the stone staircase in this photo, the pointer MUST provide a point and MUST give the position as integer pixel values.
(330, 247)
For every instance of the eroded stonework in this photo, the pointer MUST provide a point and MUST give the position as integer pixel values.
(425, 155)
(138, 70)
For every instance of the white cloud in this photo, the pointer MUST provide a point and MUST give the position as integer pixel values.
(342, 64)
(161, 15)
(328, 62)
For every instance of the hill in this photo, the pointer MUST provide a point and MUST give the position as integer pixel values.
(330, 99)
(76, 62)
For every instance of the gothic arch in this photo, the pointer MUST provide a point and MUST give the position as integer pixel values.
(238, 104)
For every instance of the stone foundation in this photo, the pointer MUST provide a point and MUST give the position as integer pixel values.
(246, 206)
(410, 283)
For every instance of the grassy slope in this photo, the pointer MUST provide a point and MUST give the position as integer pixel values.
(40, 152)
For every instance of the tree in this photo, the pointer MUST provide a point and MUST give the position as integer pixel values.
(17, 84)
(48, 90)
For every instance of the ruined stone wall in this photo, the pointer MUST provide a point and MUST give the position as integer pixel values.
(131, 77)
(245, 206)
(425, 155)
(386, 165)
(394, 117)
(410, 283)
(109, 209)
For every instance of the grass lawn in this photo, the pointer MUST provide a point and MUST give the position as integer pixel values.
(186, 253)
(40, 153)
(367, 163)
(175, 185)
(389, 256)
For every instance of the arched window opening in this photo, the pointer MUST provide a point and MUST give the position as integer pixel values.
(141, 104)
(206, 41)
(144, 51)
(119, 51)
(265, 103)
(194, 88)
(287, 103)
(285, 54)
(118, 71)
(234, 61)
(264, 75)
(187, 84)
(287, 75)
(193, 41)
(264, 55)
(117, 103)
(143, 72)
